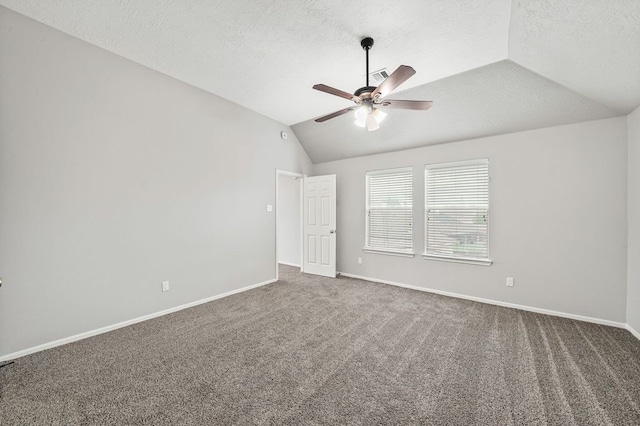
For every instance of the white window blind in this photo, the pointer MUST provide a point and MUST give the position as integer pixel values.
(457, 210)
(389, 221)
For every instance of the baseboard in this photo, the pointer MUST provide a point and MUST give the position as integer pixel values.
(289, 264)
(633, 331)
(112, 327)
(497, 303)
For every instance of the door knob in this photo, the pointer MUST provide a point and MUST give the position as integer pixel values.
(333, 231)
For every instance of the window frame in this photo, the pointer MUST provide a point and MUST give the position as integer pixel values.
(483, 261)
(390, 252)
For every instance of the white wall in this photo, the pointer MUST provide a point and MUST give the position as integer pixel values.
(633, 259)
(288, 220)
(557, 222)
(113, 178)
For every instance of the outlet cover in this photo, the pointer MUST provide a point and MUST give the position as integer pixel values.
(509, 281)
(359, 261)
(165, 285)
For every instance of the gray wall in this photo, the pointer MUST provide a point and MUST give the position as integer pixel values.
(557, 222)
(114, 178)
(289, 237)
(633, 259)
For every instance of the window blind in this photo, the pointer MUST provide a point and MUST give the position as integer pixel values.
(457, 210)
(389, 205)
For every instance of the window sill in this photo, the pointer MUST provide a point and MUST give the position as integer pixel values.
(470, 261)
(388, 253)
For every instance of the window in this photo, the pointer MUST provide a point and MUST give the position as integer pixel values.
(457, 211)
(389, 221)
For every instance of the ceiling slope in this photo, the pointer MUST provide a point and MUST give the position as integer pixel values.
(490, 66)
(503, 97)
(590, 46)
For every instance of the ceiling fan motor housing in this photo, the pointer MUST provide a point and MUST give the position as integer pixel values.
(363, 92)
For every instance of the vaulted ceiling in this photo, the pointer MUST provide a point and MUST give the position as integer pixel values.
(490, 66)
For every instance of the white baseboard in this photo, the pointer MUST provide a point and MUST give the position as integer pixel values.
(108, 328)
(498, 303)
(289, 264)
(112, 327)
(633, 331)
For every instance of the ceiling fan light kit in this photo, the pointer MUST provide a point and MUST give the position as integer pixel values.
(369, 99)
(363, 113)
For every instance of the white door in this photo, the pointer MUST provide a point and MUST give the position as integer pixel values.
(319, 230)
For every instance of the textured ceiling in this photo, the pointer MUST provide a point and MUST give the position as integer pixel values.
(266, 54)
(592, 46)
(490, 66)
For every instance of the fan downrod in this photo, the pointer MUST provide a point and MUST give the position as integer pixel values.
(367, 44)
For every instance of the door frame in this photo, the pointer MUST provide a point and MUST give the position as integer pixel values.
(300, 178)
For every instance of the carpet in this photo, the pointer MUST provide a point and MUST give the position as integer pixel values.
(312, 350)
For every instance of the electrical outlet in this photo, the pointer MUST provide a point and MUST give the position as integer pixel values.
(359, 261)
(509, 281)
(165, 285)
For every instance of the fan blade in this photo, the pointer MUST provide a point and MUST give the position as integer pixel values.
(335, 92)
(416, 105)
(396, 78)
(372, 123)
(334, 114)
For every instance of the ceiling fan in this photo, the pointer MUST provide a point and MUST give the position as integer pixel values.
(369, 100)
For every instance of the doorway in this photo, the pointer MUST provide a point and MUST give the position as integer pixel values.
(288, 219)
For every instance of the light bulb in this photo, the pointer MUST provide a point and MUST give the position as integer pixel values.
(361, 113)
(361, 116)
(379, 115)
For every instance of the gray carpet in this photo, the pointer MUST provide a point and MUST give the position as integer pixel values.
(310, 350)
